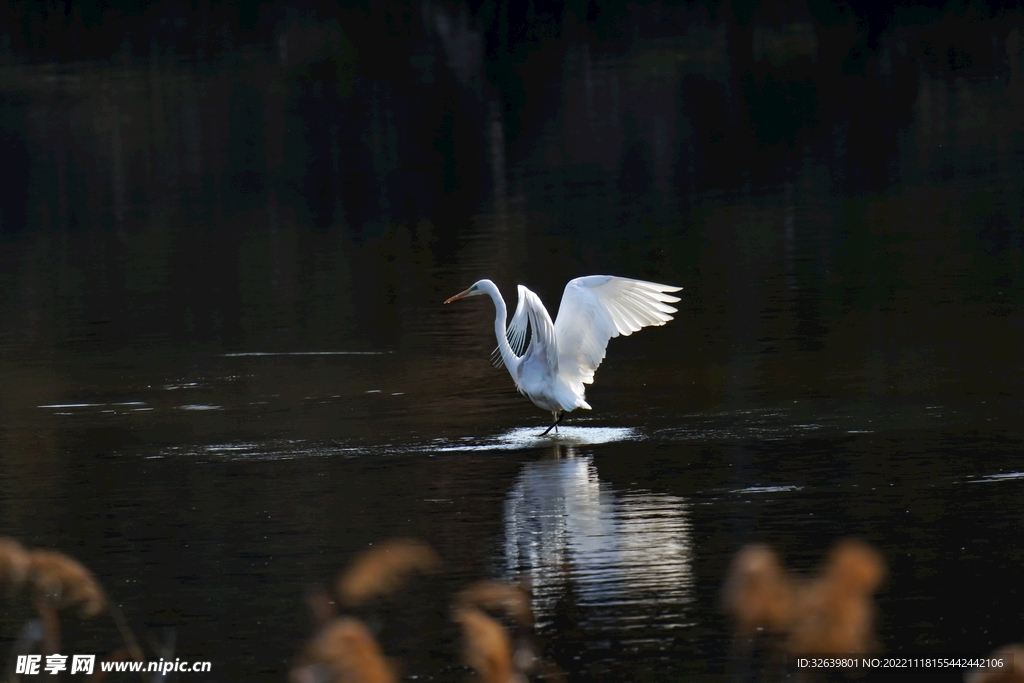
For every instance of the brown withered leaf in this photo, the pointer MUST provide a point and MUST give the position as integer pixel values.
(382, 569)
(500, 596)
(487, 647)
(344, 651)
(759, 592)
(835, 612)
(65, 581)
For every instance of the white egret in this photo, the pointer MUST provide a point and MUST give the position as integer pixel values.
(563, 356)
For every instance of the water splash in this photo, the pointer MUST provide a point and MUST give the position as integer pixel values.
(522, 438)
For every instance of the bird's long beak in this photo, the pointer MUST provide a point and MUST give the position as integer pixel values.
(458, 296)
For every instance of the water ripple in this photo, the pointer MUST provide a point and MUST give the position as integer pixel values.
(768, 489)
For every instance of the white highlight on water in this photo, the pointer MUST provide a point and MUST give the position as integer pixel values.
(530, 437)
(242, 354)
(71, 405)
(768, 489)
(1002, 476)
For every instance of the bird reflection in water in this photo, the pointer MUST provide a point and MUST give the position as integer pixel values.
(599, 560)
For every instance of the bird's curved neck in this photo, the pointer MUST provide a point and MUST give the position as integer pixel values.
(500, 331)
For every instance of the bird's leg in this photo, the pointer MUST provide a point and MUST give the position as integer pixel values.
(558, 418)
(545, 432)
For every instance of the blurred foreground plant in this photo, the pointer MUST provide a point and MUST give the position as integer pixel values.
(55, 583)
(382, 569)
(344, 649)
(500, 653)
(497, 645)
(830, 613)
(1012, 672)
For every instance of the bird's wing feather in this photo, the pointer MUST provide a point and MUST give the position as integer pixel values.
(530, 314)
(543, 342)
(598, 307)
(516, 332)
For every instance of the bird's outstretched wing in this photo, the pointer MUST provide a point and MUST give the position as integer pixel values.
(598, 307)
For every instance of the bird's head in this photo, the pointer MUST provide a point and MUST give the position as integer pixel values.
(477, 289)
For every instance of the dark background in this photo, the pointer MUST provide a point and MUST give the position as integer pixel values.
(328, 104)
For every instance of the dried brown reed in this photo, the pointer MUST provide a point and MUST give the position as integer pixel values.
(835, 612)
(64, 582)
(487, 649)
(348, 651)
(1013, 673)
(13, 562)
(382, 569)
(759, 593)
(831, 613)
(59, 582)
(510, 599)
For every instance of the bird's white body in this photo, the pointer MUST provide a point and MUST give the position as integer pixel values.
(563, 355)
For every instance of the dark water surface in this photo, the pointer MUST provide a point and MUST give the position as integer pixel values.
(214, 400)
